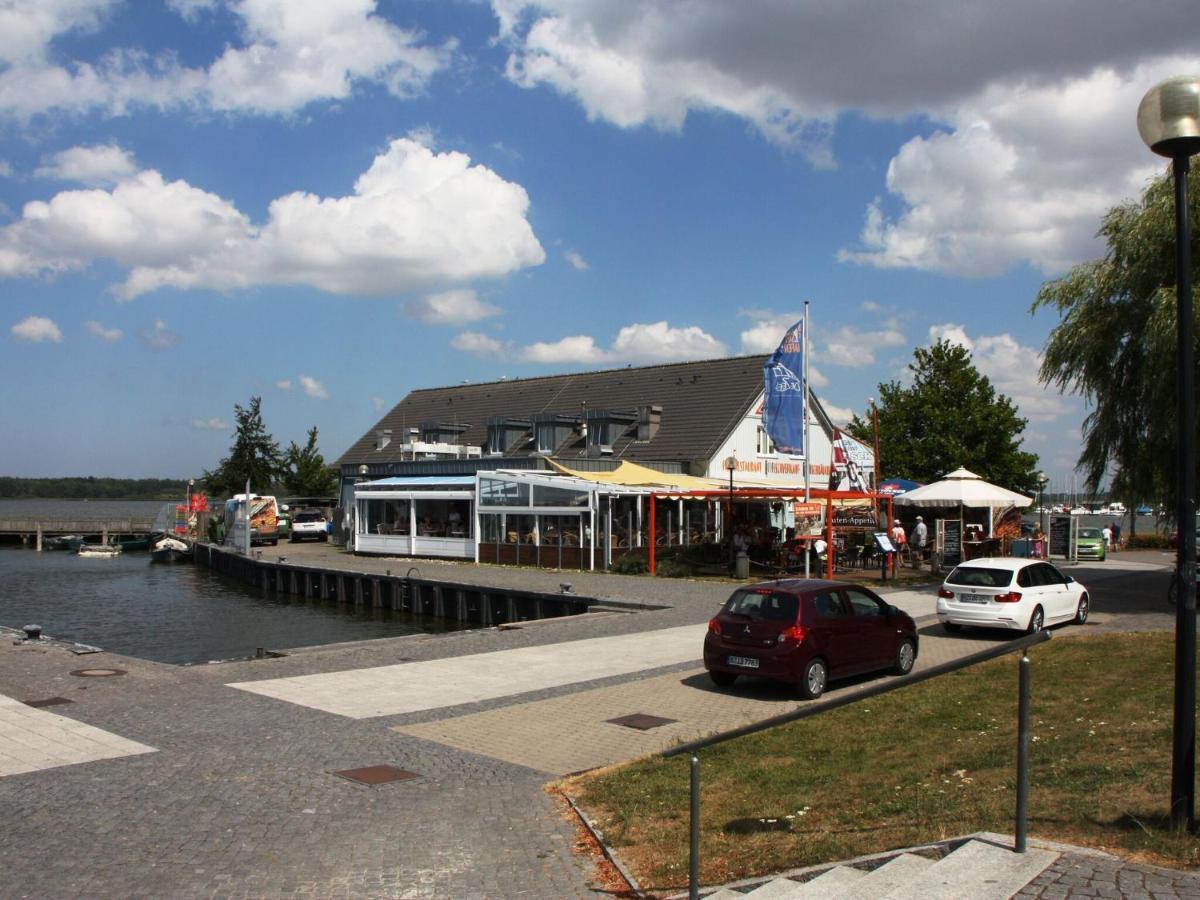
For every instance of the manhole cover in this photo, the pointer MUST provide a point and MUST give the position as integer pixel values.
(97, 673)
(641, 721)
(377, 774)
(49, 701)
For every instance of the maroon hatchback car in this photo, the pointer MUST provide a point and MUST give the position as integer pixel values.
(806, 632)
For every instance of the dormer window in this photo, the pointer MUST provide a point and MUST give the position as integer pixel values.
(551, 430)
(604, 426)
(504, 434)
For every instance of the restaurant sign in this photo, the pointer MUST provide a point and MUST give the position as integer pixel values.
(855, 517)
(807, 510)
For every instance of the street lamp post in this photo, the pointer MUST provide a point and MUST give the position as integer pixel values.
(730, 466)
(1169, 122)
(1042, 480)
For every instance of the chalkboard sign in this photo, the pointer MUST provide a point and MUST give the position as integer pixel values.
(951, 532)
(1060, 537)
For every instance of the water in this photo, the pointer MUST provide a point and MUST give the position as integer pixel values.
(170, 613)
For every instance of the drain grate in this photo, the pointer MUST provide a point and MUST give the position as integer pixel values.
(377, 774)
(97, 673)
(641, 721)
(49, 701)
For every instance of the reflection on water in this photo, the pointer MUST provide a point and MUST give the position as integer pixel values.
(174, 613)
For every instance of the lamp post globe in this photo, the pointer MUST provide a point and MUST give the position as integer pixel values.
(1169, 122)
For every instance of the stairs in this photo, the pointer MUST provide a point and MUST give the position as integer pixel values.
(979, 869)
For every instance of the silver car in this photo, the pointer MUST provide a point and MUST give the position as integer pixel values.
(1017, 594)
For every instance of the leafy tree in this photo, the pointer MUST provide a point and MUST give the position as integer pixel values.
(950, 416)
(254, 455)
(305, 471)
(1115, 345)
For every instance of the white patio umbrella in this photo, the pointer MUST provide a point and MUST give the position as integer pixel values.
(962, 488)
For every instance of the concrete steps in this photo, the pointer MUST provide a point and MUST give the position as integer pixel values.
(979, 869)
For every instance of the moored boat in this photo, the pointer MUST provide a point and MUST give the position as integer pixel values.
(169, 550)
(99, 551)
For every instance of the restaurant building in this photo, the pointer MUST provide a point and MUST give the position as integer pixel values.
(556, 470)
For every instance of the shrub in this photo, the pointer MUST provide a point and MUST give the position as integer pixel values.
(1150, 541)
(634, 563)
(672, 568)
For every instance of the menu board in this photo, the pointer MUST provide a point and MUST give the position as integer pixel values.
(951, 533)
(1060, 537)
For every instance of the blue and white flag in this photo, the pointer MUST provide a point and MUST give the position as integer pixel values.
(785, 401)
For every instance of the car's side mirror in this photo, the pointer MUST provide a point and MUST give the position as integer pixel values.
(1070, 578)
(893, 610)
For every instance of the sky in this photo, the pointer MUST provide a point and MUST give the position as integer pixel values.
(329, 203)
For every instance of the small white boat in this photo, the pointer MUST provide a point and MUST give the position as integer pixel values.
(169, 549)
(1080, 511)
(100, 551)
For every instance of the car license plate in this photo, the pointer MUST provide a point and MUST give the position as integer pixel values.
(745, 662)
(971, 598)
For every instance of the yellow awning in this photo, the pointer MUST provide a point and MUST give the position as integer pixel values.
(632, 475)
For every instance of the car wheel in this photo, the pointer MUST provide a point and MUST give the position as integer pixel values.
(906, 655)
(1036, 621)
(952, 627)
(722, 679)
(293, 539)
(812, 682)
(1081, 611)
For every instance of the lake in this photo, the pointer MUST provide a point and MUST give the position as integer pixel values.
(178, 613)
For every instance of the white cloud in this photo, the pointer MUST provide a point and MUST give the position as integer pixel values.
(93, 166)
(293, 53)
(816, 377)
(5, 168)
(477, 344)
(855, 348)
(108, 335)
(284, 384)
(452, 307)
(768, 329)
(1012, 369)
(1023, 173)
(160, 337)
(213, 424)
(575, 258)
(416, 219)
(575, 349)
(37, 330)
(659, 342)
(839, 415)
(378, 403)
(313, 388)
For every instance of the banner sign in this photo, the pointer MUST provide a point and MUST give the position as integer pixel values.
(808, 510)
(853, 464)
(785, 399)
(855, 517)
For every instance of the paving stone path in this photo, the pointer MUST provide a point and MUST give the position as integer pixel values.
(240, 796)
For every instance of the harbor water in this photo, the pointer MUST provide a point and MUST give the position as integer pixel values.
(179, 613)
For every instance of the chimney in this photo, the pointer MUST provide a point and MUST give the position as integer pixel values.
(649, 418)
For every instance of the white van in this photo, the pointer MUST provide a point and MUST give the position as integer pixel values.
(264, 520)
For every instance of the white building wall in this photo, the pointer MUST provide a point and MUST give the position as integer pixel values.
(772, 468)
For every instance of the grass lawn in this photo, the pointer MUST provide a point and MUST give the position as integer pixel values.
(933, 761)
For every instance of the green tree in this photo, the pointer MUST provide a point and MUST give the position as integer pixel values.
(305, 471)
(950, 416)
(254, 456)
(1116, 345)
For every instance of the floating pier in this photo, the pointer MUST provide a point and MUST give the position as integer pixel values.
(466, 603)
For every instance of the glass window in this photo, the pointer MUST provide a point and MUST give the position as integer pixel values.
(766, 446)
(979, 576)
(497, 492)
(555, 496)
(768, 605)
(864, 604)
(491, 528)
(828, 606)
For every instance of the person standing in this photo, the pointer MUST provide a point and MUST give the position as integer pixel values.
(1116, 536)
(920, 536)
(1107, 532)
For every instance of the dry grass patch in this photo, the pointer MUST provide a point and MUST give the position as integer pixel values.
(933, 761)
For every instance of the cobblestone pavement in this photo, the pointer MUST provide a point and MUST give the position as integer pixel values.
(241, 801)
(1081, 873)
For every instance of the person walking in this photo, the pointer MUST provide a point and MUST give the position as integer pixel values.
(1116, 536)
(900, 540)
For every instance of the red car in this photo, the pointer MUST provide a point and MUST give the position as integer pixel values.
(805, 632)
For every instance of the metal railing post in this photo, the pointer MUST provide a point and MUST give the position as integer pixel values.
(1022, 755)
(694, 834)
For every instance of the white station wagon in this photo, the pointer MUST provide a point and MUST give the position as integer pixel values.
(1018, 594)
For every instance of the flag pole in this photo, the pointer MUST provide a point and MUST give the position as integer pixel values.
(807, 443)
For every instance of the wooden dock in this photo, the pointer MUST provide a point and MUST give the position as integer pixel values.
(468, 603)
(31, 530)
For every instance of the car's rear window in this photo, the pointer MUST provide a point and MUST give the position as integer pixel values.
(309, 517)
(766, 605)
(979, 576)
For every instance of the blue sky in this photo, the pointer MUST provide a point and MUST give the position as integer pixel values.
(328, 203)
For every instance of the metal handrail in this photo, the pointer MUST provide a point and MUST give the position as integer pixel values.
(1022, 644)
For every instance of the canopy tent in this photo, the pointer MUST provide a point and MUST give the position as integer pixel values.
(632, 475)
(963, 488)
(894, 487)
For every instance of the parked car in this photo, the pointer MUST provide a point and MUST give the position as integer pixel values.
(1089, 544)
(309, 524)
(1018, 594)
(806, 632)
